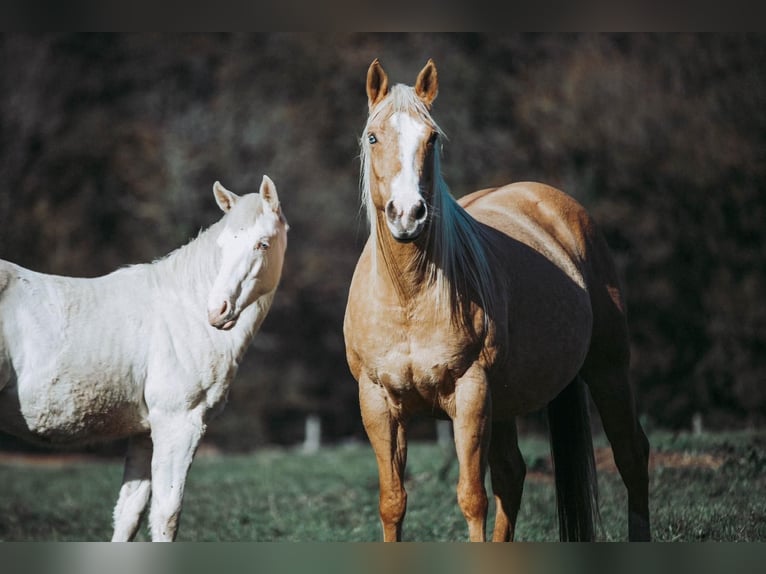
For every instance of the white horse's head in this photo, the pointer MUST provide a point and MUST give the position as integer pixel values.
(252, 244)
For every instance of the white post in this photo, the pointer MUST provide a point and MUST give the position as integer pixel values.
(313, 436)
(444, 433)
(697, 423)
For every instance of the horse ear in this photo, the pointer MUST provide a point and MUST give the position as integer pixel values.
(427, 84)
(268, 192)
(377, 83)
(223, 197)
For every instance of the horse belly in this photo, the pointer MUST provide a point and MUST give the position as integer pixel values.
(547, 345)
(57, 410)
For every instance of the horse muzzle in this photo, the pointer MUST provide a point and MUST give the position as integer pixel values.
(406, 223)
(223, 318)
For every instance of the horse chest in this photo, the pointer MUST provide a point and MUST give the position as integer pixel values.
(417, 366)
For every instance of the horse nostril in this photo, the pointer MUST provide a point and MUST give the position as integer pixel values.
(420, 210)
(390, 210)
(224, 309)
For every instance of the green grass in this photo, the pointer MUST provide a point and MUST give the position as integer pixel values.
(283, 495)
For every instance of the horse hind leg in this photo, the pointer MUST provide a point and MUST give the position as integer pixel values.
(616, 405)
(135, 490)
(6, 371)
(507, 472)
(606, 372)
(6, 368)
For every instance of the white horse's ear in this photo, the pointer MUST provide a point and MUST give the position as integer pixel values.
(268, 192)
(223, 197)
(377, 83)
(427, 84)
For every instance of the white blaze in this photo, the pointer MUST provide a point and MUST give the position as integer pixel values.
(404, 185)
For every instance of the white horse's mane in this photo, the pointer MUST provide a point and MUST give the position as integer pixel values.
(197, 261)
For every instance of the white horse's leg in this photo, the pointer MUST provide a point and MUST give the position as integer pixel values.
(176, 437)
(135, 490)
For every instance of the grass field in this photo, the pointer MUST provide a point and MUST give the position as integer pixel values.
(703, 488)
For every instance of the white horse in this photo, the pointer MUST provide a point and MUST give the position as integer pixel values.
(146, 352)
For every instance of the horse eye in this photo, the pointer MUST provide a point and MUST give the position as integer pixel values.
(372, 139)
(433, 138)
(263, 245)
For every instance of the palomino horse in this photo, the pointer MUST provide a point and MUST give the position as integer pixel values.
(146, 352)
(480, 310)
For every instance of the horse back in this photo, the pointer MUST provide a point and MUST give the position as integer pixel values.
(562, 222)
(540, 216)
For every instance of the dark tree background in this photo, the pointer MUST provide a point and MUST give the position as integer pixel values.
(110, 145)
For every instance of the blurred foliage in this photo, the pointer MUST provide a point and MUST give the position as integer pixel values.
(111, 143)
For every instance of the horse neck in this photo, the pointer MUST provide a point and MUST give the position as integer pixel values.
(399, 266)
(450, 261)
(190, 270)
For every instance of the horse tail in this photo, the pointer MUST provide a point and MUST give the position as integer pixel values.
(573, 463)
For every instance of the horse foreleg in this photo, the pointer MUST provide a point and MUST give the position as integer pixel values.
(135, 490)
(175, 437)
(388, 440)
(507, 471)
(472, 436)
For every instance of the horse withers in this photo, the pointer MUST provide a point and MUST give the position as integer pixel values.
(481, 310)
(146, 352)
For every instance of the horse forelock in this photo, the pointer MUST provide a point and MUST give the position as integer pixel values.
(245, 212)
(455, 261)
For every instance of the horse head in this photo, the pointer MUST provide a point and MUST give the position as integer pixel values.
(399, 151)
(252, 247)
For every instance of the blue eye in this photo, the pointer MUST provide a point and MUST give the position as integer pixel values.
(372, 139)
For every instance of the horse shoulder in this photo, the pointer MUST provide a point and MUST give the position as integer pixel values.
(189, 365)
(372, 323)
(357, 301)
